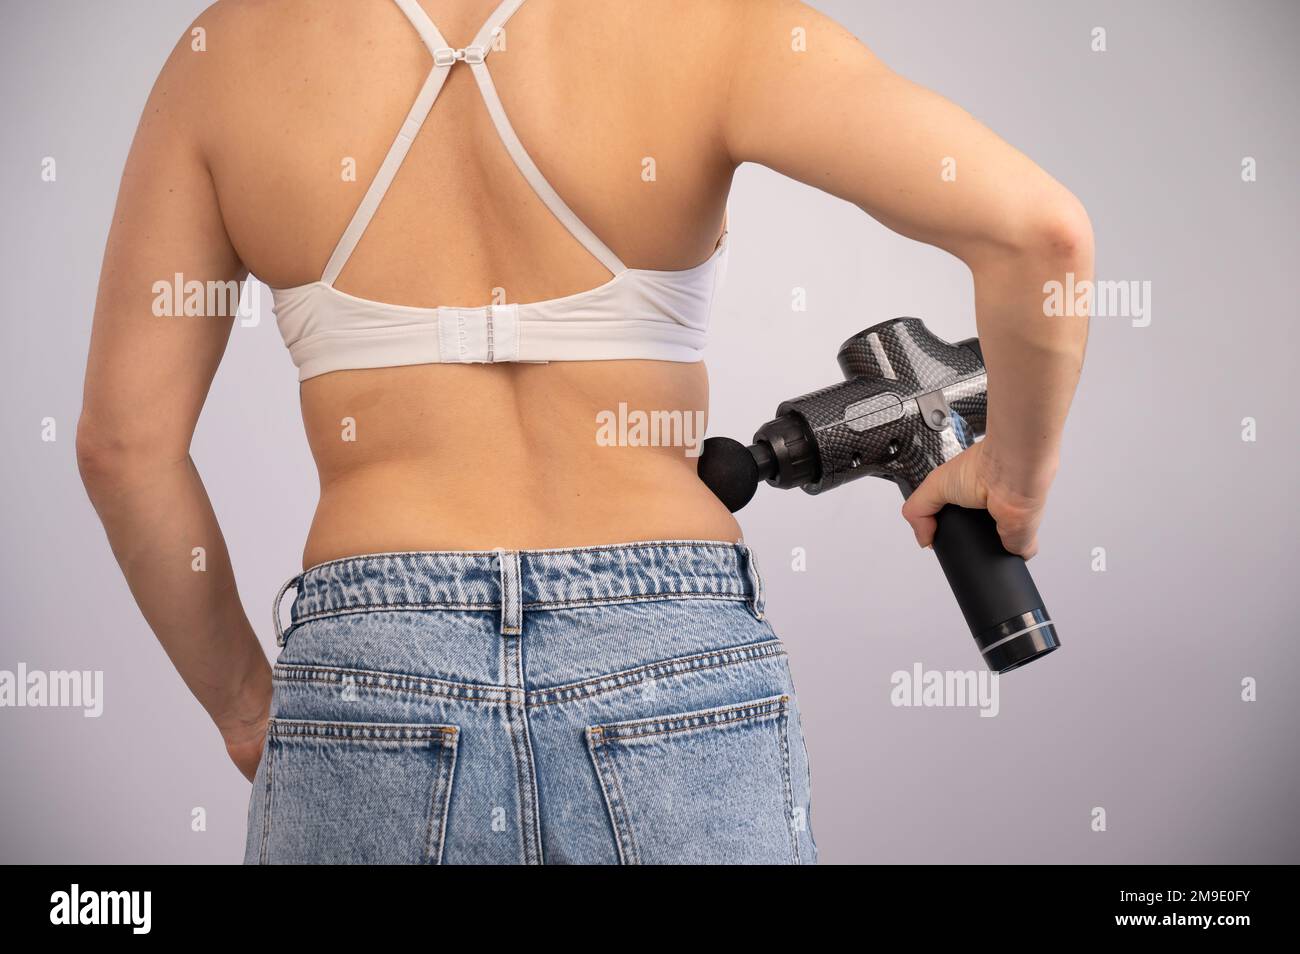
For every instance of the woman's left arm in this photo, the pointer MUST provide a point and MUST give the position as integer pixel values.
(147, 378)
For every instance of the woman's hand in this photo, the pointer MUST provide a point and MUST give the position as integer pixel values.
(246, 751)
(243, 726)
(976, 479)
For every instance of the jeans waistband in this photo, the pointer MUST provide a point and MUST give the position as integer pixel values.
(515, 581)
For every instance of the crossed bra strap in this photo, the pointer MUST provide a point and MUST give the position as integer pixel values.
(490, 37)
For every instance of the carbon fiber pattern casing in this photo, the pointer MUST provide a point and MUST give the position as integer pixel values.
(911, 401)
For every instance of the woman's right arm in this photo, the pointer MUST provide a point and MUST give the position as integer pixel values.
(147, 378)
(835, 117)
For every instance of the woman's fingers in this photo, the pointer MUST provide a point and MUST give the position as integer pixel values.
(961, 482)
(919, 509)
(1017, 527)
(1018, 540)
(955, 482)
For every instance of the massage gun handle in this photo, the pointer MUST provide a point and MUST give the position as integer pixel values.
(994, 589)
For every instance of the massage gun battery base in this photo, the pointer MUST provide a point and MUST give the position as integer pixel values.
(909, 402)
(994, 590)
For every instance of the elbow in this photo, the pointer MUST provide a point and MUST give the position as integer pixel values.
(109, 456)
(1061, 231)
(99, 456)
(1051, 233)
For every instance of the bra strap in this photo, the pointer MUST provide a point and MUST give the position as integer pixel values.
(383, 180)
(387, 173)
(423, 25)
(559, 208)
(486, 37)
(444, 57)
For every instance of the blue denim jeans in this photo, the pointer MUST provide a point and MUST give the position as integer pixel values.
(617, 704)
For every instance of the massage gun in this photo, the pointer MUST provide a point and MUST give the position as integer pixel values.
(910, 402)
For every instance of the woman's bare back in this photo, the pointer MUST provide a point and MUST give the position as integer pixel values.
(618, 104)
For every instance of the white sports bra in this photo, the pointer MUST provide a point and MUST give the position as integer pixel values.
(638, 313)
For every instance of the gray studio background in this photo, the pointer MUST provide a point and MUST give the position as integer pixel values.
(1140, 713)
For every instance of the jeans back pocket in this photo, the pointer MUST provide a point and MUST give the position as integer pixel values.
(705, 787)
(356, 792)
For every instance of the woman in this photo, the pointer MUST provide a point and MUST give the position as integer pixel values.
(514, 642)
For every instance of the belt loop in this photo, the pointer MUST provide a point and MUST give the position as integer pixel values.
(757, 602)
(512, 597)
(282, 634)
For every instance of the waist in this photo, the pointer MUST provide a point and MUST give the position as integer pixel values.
(558, 578)
(535, 505)
(526, 457)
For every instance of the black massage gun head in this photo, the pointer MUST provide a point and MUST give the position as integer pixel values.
(730, 470)
(783, 454)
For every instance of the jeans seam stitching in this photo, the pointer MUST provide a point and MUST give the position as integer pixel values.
(294, 673)
(602, 548)
(438, 813)
(762, 710)
(525, 771)
(263, 851)
(416, 733)
(784, 730)
(730, 597)
(442, 689)
(628, 854)
(663, 669)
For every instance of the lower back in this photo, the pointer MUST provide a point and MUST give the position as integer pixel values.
(471, 457)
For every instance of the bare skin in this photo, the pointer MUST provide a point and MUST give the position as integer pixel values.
(237, 165)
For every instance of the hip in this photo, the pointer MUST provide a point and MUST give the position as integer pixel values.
(622, 704)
